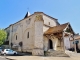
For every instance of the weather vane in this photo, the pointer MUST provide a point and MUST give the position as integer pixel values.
(28, 8)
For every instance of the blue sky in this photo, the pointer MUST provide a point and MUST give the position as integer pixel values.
(12, 11)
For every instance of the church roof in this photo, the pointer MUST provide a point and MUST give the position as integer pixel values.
(28, 15)
(57, 29)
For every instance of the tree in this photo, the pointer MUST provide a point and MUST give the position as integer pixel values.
(3, 36)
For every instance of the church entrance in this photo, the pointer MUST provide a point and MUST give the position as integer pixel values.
(50, 44)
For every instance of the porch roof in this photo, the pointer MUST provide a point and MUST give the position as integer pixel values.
(57, 29)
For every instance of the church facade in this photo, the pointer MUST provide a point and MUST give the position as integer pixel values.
(39, 32)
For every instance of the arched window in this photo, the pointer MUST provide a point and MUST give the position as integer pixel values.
(28, 35)
(16, 37)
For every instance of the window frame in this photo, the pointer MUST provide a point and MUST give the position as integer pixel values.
(16, 37)
(28, 35)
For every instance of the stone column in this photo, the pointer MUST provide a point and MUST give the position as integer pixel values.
(63, 42)
(38, 36)
(74, 44)
(55, 44)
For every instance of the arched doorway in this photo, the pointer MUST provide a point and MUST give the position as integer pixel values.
(50, 44)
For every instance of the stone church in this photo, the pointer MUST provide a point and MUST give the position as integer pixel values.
(39, 32)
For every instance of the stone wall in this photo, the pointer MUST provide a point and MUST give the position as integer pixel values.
(38, 36)
(21, 30)
(67, 42)
(49, 21)
(46, 46)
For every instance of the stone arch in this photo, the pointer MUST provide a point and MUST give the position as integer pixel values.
(26, 30)
(14, 41)
(25, 39)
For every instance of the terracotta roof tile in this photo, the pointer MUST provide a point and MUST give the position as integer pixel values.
(56, 29)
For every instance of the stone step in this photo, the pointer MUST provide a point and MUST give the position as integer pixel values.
(56, 54)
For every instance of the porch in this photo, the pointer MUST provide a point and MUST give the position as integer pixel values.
(57, 38)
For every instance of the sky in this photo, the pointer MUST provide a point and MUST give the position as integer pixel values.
(12, 11)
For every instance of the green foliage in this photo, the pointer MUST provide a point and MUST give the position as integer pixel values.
(3, 36)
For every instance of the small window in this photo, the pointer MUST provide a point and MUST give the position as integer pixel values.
(29, 18)
(49, 23)
(16, 37)
(28, 35)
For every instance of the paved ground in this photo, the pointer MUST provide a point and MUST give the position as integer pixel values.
(2, 58)
(42, 58)
(73, 56)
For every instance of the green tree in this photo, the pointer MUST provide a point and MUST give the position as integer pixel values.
(3, 36)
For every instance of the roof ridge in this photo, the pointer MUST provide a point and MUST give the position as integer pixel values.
(59, 25)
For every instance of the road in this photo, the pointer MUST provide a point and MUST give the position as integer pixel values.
(2, 58)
